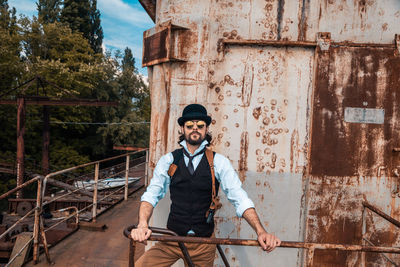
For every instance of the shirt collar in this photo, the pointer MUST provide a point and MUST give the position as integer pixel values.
(184, 145)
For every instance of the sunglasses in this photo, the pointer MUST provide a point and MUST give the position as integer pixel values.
(190, 124)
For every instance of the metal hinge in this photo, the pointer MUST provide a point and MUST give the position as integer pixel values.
(324, 41)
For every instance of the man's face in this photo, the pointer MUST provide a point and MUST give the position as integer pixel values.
(194, 131)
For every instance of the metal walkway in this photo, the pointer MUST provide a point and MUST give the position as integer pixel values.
(108, 248)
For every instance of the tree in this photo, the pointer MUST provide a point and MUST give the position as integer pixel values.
(128, 61)
(59, 54)
(96, 34)
(55, 53)
(7, 17)
(133, 111)
(83, 16)
(10, 63)
(49, 10)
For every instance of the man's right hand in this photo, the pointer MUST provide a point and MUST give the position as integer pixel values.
(141, 234)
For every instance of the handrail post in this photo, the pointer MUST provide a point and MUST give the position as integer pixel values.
(96, 180)
(146, 171)
(36, 225)
(126, 177)
(132, 247)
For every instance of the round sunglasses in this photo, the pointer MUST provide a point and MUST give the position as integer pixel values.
(190, 124)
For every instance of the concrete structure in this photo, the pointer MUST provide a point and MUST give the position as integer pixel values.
(304, 99)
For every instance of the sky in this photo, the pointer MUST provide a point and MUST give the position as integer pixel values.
(123, 22)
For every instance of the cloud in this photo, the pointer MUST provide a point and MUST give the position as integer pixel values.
(25, 7)
(121, 45)
(120, 11)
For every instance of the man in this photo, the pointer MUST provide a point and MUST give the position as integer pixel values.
(192, 195)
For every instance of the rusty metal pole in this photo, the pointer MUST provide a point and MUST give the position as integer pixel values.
(44, 241)
(20, 143)
(223, 257)
(46, 140)
(96, 179)
(381, 213)
(36, 225)
(19, 187)
(126, 177)
(146, 171)
(132, 247)
(364, 230)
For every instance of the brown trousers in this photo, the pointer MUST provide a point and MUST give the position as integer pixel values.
(164, 254)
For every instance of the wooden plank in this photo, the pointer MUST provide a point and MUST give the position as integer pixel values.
(22, 239)
(92, 226)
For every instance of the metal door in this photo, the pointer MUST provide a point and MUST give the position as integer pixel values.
(355, 136)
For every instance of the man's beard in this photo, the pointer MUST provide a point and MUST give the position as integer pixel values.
(194, 142)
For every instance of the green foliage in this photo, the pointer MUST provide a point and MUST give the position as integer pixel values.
(49, 10)
(58, 48)
(96, 31)
(10, 49)
(134, 105)
(84, 17)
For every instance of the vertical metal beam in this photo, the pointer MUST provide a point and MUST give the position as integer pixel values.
(146, 171)
(44, 241)
(96, 180)
(46, 140)
(132, 246)
(223, 257)
(36, 225)
(20, 143)
(126, 177)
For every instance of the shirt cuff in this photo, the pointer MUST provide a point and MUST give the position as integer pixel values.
(243, 206)
(149, 199)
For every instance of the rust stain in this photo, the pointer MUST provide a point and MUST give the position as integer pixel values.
(304, 14)
(334, 217)
(256, 112)
(294, 151)
(244, 151)
(247, 84)
(280, 11)
(356, 77)
(165, 122)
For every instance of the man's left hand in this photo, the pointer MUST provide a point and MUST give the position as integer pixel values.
(268, 242)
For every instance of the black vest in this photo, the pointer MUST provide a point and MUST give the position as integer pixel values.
(191, 198)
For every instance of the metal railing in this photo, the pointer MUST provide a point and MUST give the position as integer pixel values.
(381, 214)
(42, 181)
(310, 246)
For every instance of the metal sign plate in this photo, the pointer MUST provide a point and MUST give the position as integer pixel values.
(364, 115)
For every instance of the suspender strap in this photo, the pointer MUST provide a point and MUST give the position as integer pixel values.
(177, 155)
(210, 159)
(215, 204)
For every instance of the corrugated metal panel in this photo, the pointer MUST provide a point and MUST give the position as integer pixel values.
(278, 114)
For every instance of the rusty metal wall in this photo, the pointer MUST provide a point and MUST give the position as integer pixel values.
(278, 115)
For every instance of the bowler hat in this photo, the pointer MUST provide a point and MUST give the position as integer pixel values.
(194, 112)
